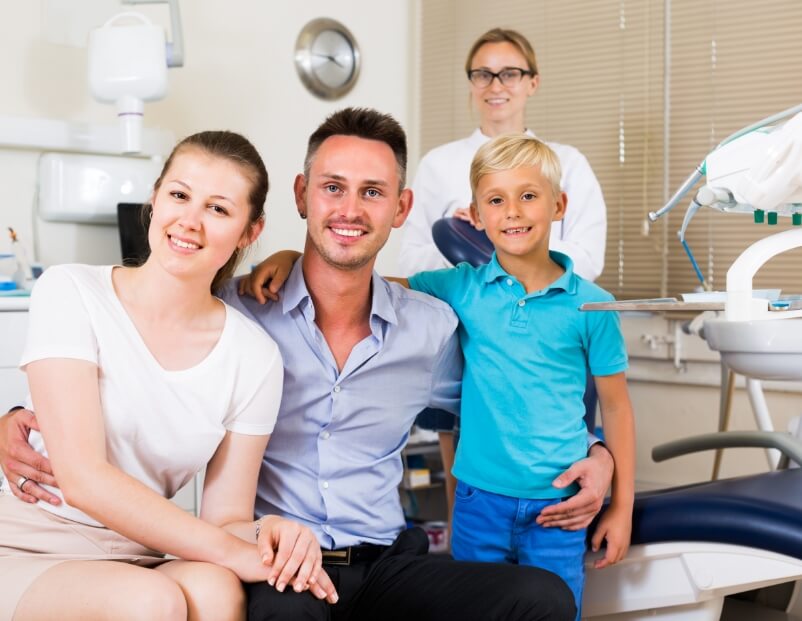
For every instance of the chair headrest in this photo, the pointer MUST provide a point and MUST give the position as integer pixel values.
(459, 242)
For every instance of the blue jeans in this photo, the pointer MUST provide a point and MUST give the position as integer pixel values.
(493, 528)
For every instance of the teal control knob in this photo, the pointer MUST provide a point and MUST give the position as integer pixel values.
(772, 218)
(759, 216)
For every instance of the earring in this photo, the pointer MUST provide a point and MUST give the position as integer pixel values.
(303, 216)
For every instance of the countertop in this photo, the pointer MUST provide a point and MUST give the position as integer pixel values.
(14, 303)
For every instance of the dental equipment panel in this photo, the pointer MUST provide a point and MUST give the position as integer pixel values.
(128, 65)
(756, 170)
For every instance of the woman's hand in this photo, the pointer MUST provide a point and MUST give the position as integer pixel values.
(244, 560)
(267, 278)
(293, 554)
(464, 213)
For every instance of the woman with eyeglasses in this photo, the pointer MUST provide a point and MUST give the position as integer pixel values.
(502, 73)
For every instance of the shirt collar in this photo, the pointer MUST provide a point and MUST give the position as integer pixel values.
(477, 138)
(295, 292)
(567, 282)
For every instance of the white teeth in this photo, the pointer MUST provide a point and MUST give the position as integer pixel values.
(183, 244)
(523, 229)
(348, 232)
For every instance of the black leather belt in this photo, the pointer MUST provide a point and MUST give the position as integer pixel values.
(364, 553)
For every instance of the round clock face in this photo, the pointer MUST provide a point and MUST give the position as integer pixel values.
(327, 58)
(332, 58)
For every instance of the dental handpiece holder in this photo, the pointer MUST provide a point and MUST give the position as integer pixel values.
(758, 170)
(761, 170)
(128, 66)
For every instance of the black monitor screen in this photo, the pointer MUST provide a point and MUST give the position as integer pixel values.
(133, 227)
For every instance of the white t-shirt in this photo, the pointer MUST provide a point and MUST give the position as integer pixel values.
(442, 185)
(162, 426)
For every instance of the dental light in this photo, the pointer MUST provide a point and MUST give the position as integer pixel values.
(757, 170)
(128, 61)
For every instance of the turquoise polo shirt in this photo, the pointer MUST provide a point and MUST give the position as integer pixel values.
(526, 357)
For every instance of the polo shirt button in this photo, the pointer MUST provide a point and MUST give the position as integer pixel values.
(325, 435)
(521, 302)
(337, 388)
(325, 485)
(509, 282)
(326, 528)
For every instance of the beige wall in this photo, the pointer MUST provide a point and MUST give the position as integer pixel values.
(238, 75)
(675, 394)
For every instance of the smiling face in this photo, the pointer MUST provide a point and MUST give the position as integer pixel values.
(351, 200)
(516, 208)
(201, 214)
(500, 107)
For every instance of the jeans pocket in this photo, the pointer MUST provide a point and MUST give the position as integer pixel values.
(464, 492)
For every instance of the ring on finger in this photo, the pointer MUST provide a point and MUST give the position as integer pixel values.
(21, 483)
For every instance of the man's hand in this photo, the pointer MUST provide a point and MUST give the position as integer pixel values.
(594, 474)
(293, 553)
(18, 459)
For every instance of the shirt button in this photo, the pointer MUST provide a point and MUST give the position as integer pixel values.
(325, 485)
(325, 435)
(521, 302)
(509, 282)
(337, 388)
(326, 528)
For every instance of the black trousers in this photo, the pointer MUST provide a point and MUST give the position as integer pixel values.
(407, 584)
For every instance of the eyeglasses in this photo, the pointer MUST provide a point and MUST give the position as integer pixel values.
(509, 76)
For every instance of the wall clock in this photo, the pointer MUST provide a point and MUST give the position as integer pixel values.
(327, 58)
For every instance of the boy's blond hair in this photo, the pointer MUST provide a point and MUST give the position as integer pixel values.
(510, 151)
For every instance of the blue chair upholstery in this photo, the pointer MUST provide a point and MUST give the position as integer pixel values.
(459, 242)
(760, 511)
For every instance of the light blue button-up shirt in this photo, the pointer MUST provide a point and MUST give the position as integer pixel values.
(334, 458)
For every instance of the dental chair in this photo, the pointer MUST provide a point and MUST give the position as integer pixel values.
(691, 545)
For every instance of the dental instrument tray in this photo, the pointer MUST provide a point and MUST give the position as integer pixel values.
(785, 303)
(655, 304)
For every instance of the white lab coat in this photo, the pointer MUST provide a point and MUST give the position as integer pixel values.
(442, 186)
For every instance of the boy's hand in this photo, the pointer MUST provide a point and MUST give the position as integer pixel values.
(267, 278)
(615, 526)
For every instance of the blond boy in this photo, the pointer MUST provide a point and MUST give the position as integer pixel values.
(526, 348)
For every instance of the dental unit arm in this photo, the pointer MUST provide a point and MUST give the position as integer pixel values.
(128, 65)
(758, 170)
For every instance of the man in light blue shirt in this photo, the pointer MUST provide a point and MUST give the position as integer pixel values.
(362, 357)
(334, 461)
